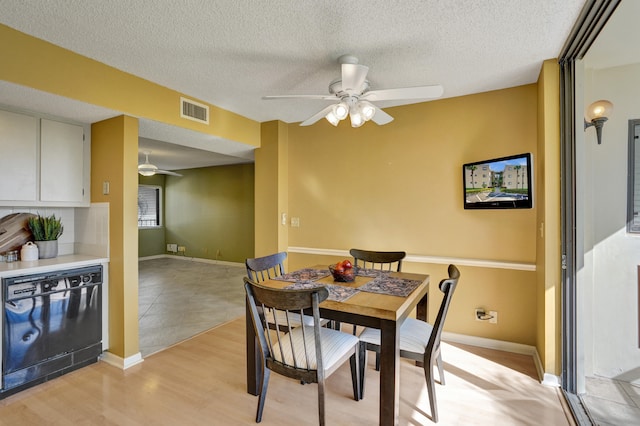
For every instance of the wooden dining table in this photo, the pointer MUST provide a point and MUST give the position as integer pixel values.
(382, 311)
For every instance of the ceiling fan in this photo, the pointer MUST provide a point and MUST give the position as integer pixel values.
(354, 98)
(148, 169)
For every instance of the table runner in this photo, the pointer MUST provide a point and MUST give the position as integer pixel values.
(364, 272)
(337, 293)
(392, 286)
(305, 274)
(383, 283)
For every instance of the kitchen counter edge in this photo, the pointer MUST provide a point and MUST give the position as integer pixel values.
(12, 269)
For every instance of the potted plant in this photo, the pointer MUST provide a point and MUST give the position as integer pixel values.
(46, 230)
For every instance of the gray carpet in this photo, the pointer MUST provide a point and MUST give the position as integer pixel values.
(180, 298)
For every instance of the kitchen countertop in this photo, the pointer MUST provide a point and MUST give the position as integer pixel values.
(10, 269)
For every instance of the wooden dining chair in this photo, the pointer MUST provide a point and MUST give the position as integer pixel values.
(264, 268)
(419, 341)
(267, 267)
(380, 260)
(307, 353)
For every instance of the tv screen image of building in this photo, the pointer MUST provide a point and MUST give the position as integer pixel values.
(499, 183)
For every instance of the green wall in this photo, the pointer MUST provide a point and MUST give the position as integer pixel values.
(151, 242)
(210, 211)
(205, 210)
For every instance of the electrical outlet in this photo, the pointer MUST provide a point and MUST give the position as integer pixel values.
(182, 249)
(478, 313)
(486, 316)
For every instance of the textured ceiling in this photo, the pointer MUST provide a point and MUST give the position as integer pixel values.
(231, 53)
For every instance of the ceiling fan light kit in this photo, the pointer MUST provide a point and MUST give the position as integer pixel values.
(357, 119)
(353, 96)
(148, 169)
(341, 110)
(359, 111)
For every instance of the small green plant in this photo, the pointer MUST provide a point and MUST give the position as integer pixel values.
(45, 228)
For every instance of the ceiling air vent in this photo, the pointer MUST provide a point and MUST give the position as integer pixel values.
(192, 110)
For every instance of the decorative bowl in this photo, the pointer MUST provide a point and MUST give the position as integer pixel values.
(344, 276)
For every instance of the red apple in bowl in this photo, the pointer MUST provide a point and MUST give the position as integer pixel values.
(341, 273)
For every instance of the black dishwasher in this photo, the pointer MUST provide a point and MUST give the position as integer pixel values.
(52, 325)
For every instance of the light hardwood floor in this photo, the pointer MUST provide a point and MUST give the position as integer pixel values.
(202, 382)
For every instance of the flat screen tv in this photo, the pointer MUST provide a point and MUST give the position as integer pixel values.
(499, 183)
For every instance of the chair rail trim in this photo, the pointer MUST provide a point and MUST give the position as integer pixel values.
(416, 258)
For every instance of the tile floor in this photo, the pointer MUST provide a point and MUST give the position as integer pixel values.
(612, 402)
(180, 298)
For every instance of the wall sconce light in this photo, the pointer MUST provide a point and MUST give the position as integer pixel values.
(597, 113)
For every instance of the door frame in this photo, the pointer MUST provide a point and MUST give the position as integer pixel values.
(590, 22)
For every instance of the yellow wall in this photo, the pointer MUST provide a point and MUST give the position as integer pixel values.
(399, 187)
(548, 312)
(35, 63)
(114, 158)
(271, 189)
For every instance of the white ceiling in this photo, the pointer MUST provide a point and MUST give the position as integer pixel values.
(230, 53)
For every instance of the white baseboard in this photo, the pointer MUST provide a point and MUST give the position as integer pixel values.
(501, 345)
(119, 362)
(192, 259)
(551, 380)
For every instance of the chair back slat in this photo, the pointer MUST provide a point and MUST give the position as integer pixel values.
(447, 286)
(264, 268)
(380, 260)
(304, 345)
(264, 322)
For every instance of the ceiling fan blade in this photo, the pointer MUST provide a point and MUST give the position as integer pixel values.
(309, 121)
(420, 92)
(323, 97)
(353, 77)
(380, 117)
(167, 172)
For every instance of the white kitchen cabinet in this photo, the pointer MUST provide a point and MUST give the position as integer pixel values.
(61, 162)
(18, 154)
(43, 162)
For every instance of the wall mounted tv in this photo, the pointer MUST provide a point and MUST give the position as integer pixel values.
(499, 183)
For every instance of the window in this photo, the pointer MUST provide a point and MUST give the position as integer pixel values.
(149, 202)
(633, 186)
